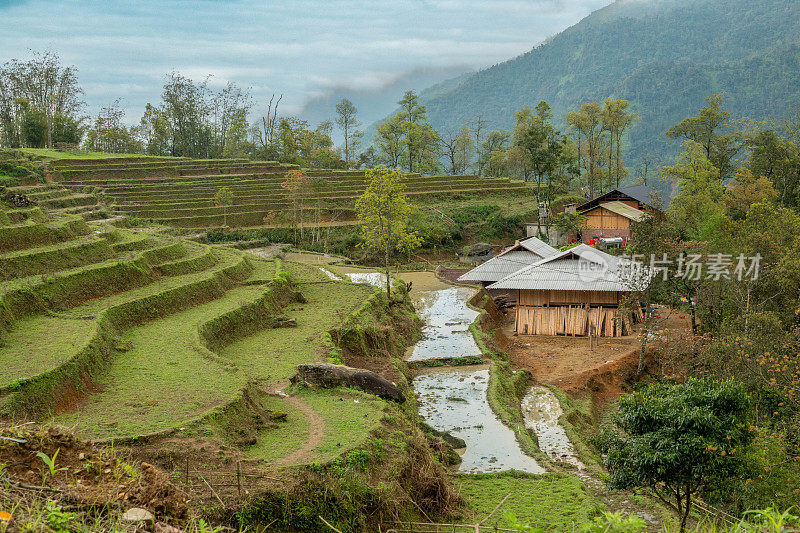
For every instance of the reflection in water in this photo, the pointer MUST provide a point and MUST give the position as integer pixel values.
(446, 331)
(373, 278)
(330, 274)
(542, 410)
(455, 401)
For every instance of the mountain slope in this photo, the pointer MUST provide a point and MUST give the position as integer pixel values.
(664, 56)
(373, 103)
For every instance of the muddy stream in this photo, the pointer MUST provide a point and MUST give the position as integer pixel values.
(454, 399)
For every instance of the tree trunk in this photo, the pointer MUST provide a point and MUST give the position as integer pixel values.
(388, 278)
(346, 151)
(686, 510)
(645, 332)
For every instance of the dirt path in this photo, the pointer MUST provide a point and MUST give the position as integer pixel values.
(571, 365)
(316, 434)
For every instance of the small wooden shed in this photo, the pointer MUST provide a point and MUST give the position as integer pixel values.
(577, 292)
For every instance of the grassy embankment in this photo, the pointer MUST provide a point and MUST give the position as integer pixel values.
(49, 154)
(164, 332)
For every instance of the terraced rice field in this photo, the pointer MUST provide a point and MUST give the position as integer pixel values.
(56, 198)
(182, 193)
(127, 333)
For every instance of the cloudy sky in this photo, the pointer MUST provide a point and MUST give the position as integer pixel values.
(300, 48)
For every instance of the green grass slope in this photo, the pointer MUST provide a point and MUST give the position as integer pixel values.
(273, 354)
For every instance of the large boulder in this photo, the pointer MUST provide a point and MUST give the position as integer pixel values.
(329, 376)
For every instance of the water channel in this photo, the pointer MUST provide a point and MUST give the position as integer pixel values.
(453, 399)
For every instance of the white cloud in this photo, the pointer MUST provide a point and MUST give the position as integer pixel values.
(300, 48)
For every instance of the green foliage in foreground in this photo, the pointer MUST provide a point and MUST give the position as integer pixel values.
(550, 501)
(678, 440)
(757, 521)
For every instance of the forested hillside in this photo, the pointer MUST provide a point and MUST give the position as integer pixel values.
(664, 56)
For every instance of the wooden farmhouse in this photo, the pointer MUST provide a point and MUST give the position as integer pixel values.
(513, 258)
(611, 214)
(578, 292)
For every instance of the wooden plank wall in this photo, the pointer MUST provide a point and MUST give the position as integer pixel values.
(552, 297)
(573, 321)
(600, 218)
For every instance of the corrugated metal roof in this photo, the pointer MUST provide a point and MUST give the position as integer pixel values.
(624, 210)
(641, 193)
(539, 247)
(646, 195)
(581, 268)
(501, 266)
(519, 256)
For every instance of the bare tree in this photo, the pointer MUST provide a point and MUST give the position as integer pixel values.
(477, 127)
(458, 149)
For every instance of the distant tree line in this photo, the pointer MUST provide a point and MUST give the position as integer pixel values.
(40, 102)
(41, 105)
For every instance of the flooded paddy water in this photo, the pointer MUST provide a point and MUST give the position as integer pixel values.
(446, 318)
(330, 274)
(454, 400)
(542, 411)
(373, 278)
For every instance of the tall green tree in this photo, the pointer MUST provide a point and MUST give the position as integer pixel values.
(389, 139)
(697, 207)
(458, 149)
(154, 131)
(493, 153)
(384, 214)
(616, 121)
(543, 145)
(109, 134)
(420, 139)
(297, 143)
(228, 110)
(590, 138)
(40, 102)
(775, 155)
(712, 130)
(347, 120)
(236, 144)
(185, 105)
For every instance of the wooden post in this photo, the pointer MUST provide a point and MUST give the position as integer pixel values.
(239, 477)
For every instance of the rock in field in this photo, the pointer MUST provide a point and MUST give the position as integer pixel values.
(137, 514)
(329, 376)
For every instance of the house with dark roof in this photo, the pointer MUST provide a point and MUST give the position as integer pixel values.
(577, 292)
(609, 216)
